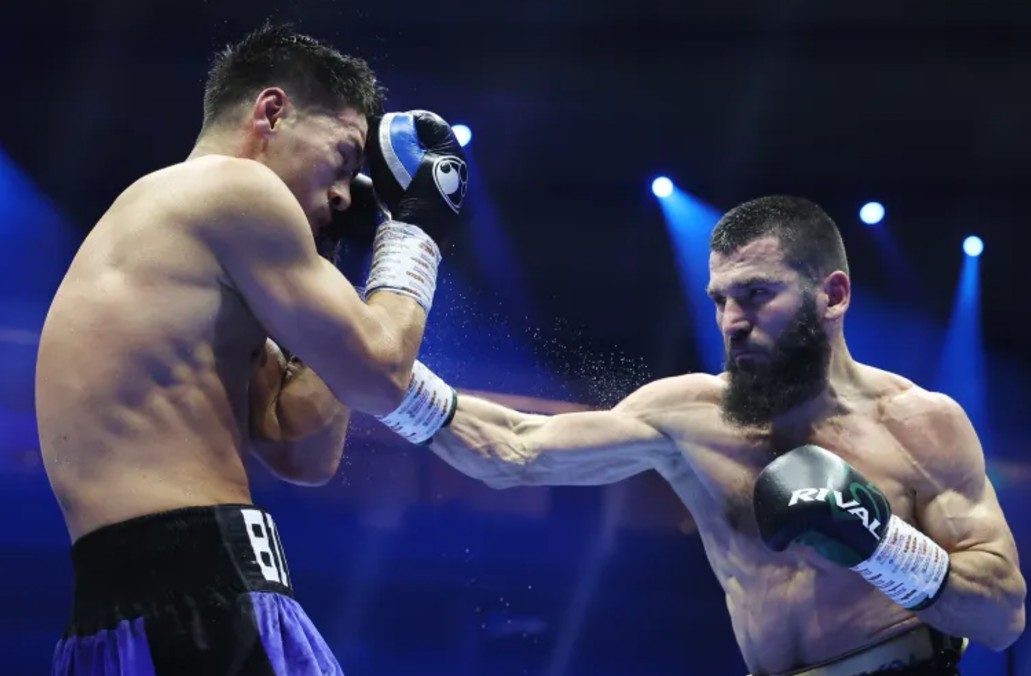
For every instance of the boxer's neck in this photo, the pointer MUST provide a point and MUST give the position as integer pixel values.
(834, 399)
(223, 141)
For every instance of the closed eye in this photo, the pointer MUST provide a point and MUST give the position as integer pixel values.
(347, 169)
(351, 161)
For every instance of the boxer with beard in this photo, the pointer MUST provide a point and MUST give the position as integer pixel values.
(764, 384)
(844, 510)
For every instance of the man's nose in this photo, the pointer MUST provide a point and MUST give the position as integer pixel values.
(736, 324)
(340, 196)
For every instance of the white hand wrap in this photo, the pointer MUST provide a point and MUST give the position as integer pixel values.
(428, 406)
(907, 566)
(404, 260)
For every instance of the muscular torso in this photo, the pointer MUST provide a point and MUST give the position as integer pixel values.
(792, 608)
(143, 367)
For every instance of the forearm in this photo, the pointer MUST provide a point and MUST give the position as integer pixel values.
(311, 461)
(301, 434)
(486, 441)
(306, 408)
(399, 293)
(983, 600)
(503, 447)
(392, 331)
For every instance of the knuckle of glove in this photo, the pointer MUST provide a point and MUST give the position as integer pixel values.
(435, 134)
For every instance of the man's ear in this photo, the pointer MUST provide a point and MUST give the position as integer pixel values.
(837, 289)
(269, 108)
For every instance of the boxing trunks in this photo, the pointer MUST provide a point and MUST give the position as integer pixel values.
(919, 652)
(196, 591)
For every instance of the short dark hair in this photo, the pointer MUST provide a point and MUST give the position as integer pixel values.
(314, 75)
(810, 239)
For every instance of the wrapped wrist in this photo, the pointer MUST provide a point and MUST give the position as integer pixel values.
(405, 261)
(907, 566)
(429, 405)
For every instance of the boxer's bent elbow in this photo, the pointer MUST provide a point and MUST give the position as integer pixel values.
(1001, 622)
(1011, 624)
(300, 463)
(307, 480)
(1015, 629)
(310, 480)
(501, 482)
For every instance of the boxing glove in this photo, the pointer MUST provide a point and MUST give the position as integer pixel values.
(419, 170)
(419, 173)
(812, 497)
(347, 240)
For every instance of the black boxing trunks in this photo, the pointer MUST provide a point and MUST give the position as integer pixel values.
(919, 652)
(196, 591)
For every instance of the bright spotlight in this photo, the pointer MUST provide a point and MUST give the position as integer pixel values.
(463, 133)
(973, 246)
(662, 187)
(871, 213)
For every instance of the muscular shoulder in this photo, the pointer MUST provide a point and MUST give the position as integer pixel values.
(677, 394)
(936, 432)
(914, 409)
(243, 210)
(235, 192)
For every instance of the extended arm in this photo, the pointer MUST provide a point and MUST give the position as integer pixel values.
(503, 447)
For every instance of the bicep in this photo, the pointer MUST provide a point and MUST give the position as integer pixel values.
(298, 296)
(307, 305)
(966, 519)
(267, 252)
(591, 448)
(596, 434)
(956, 503)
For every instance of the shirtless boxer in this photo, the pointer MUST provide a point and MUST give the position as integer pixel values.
(797, 463)
(156, 374)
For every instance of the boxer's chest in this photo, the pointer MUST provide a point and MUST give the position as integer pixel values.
(725, 469)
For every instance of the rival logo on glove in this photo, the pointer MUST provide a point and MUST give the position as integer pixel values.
(851, 507)
(452, 178)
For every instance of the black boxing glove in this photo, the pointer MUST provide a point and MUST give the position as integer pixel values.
(347, 240)
(403, 258)
(419, 170)
(420, 175)
(812, 497)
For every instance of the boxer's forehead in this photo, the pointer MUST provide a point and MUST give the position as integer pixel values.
(760, 259)
(351, 126)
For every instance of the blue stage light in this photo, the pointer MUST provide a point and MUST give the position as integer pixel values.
(463, 133)
(871, 213)
(973, 246)
(662, 187)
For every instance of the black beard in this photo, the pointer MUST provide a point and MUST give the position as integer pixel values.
(795, 372)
